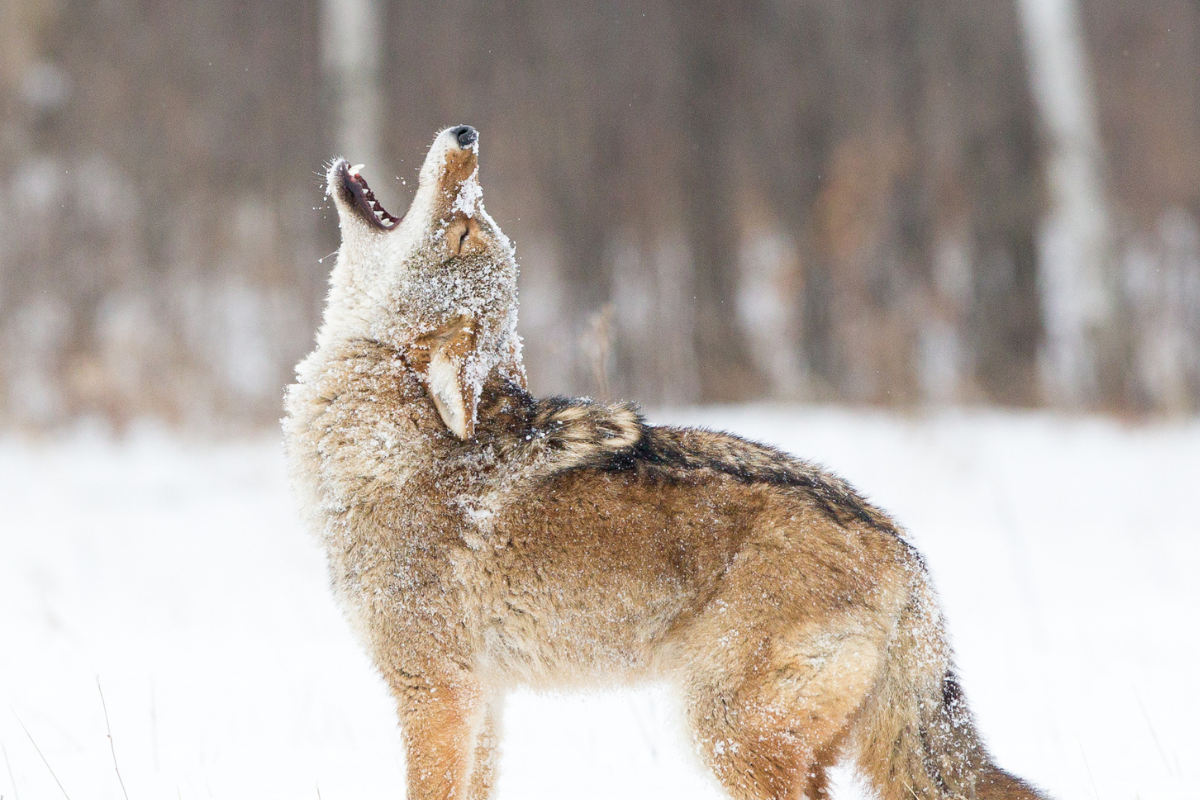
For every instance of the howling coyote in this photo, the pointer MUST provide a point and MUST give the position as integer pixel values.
(482, 539)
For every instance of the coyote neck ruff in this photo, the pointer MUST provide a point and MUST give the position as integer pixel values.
(481, 539)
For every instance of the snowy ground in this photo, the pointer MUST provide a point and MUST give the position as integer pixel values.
(1067, 553)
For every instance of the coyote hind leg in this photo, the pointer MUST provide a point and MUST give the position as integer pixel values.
(772, 730)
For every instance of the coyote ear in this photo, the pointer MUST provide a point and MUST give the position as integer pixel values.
(440, 358)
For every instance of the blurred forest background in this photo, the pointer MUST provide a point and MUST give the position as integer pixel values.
(864, 201)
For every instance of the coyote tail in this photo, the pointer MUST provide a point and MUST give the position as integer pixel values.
(916, 737)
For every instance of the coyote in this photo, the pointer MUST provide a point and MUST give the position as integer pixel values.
(481, 539)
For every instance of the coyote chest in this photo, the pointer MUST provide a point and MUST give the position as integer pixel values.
(486, 547)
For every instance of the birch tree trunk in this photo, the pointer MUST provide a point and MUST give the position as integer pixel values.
(351, 58)
(1075, 270)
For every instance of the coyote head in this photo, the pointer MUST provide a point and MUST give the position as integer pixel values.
(438, 285)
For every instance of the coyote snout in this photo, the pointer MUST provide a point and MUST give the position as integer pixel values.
(482, 539)
(447, 195)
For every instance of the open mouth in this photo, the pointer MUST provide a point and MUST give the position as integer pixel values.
(359, 195)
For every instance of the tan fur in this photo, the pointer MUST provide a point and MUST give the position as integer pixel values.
(567, 543)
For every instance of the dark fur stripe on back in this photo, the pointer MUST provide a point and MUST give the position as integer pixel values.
(751, 462)
(616, 438)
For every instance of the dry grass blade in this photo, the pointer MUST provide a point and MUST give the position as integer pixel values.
(111, 746)
(40, 755)
(1088, 767)
(1153, 733)
(12, 778)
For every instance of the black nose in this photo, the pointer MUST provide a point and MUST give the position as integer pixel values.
(465, 134)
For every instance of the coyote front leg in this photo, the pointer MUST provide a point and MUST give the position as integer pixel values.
(443, 719)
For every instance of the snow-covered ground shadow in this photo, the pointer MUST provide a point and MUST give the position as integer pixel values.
(178, 575)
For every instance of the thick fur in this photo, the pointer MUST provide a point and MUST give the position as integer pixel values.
(563, 542)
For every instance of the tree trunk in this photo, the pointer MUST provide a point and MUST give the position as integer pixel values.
(1075, 278)
(351, 57)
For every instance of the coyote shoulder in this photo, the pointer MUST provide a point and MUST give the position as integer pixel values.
(481, 539)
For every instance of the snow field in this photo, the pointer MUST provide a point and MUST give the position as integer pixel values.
(176, 573)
